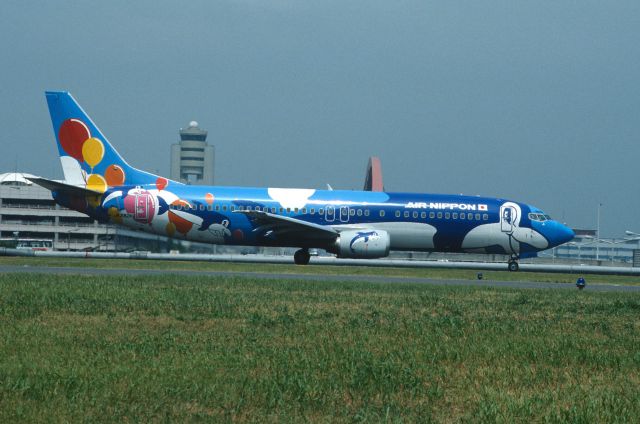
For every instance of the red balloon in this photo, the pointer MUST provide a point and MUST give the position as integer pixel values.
(161, 183)
(72, 135)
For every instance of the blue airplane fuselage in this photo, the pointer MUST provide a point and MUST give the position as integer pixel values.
(352, 224)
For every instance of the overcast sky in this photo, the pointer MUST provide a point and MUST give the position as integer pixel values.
(533, 101)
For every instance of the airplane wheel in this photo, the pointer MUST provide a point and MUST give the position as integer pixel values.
(513, 266)
(301, 257)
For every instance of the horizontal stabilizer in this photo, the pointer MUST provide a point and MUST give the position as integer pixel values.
(59, 187)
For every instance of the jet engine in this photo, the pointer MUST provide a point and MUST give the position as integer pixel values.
(365, 244)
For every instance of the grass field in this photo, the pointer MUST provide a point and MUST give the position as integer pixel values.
(170, 348)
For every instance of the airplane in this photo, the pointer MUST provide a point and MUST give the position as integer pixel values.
(350, 224)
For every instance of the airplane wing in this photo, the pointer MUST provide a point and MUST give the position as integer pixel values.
(62, 187)
(286, 228)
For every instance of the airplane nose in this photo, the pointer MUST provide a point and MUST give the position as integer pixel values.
(561, 234)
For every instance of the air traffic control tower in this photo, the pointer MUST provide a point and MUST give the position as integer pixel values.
(192, 158)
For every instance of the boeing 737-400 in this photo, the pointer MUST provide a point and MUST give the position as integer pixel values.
(349, 224)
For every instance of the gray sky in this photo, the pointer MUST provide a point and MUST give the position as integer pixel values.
(533, 101)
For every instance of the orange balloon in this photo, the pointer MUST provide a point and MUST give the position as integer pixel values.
(209, 198)
(114, 175)
(182, 225)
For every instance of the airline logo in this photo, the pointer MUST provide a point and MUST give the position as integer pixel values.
(447, 206)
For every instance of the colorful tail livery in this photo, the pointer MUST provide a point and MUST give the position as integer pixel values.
(88, 159)
(349, 224)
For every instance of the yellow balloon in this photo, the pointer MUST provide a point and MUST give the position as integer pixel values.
(97, 183)
(171, 229)
(92, 151)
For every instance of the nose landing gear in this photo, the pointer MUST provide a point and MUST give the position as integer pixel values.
(301, 257)
(513, 265)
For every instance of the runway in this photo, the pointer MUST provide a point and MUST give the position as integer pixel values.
(316, 277)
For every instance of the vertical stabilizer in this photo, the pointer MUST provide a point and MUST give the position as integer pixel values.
(373, 178)
(88, 159)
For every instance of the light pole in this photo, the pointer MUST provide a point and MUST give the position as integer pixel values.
(69, 237)
(598, 234)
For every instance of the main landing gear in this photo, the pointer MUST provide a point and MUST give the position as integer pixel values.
(301, 257)
(513, 264)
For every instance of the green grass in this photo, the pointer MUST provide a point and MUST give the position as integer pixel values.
(171, 348)
(318, 269)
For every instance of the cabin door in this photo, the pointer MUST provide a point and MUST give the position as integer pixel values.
(508, 219)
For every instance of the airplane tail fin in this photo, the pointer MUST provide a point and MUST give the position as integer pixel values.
(373, 177)
(88, 159)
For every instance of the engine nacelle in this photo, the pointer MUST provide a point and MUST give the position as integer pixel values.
(363, 244)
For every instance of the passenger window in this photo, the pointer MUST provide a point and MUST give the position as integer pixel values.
(423, 215)
(281, 210)
(312, 211)
(439, 215)
(359, 212)
(432, 215)
(233, 208)
(288, 210)
(485, 217)
(321, 211)
(469, 215)
(381, 214)
(366, 212)
(224, 208)
(352, 212)
(462, 216)
(397, 214)
(415, 214)
(330, 211)
(217, 208)
(477, 217)
(447, 215)
(406, 214)
(455, 215)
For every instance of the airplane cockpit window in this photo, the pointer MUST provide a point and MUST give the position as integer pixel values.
(540, 217)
